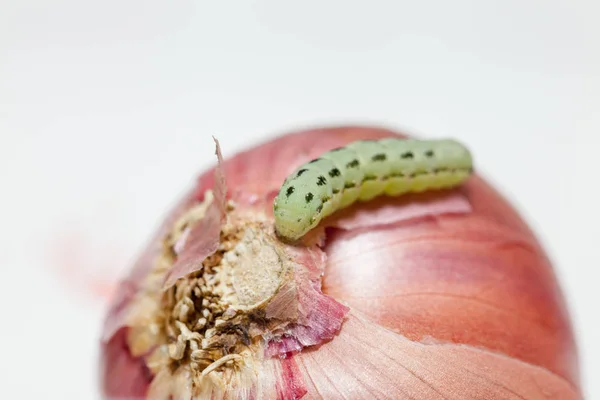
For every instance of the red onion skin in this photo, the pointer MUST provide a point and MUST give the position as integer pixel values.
(479, 279)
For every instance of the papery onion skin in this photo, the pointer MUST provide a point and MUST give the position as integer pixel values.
(478, 279)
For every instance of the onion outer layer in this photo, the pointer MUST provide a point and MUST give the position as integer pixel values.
(454, 305)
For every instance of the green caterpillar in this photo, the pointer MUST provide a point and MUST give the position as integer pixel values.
(361, 171)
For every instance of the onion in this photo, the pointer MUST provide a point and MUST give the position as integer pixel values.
(436, 295)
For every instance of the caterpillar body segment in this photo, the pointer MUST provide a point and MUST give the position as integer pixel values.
(363, 170)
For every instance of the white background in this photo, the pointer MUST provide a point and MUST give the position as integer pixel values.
(107, 110)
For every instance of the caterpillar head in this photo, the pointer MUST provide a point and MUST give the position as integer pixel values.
(296, 211)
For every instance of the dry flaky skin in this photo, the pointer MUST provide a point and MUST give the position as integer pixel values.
(204, 335)
(455, 306)
(207, 333)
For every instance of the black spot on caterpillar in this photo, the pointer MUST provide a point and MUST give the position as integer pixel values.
(363, 170)
(353, 164)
